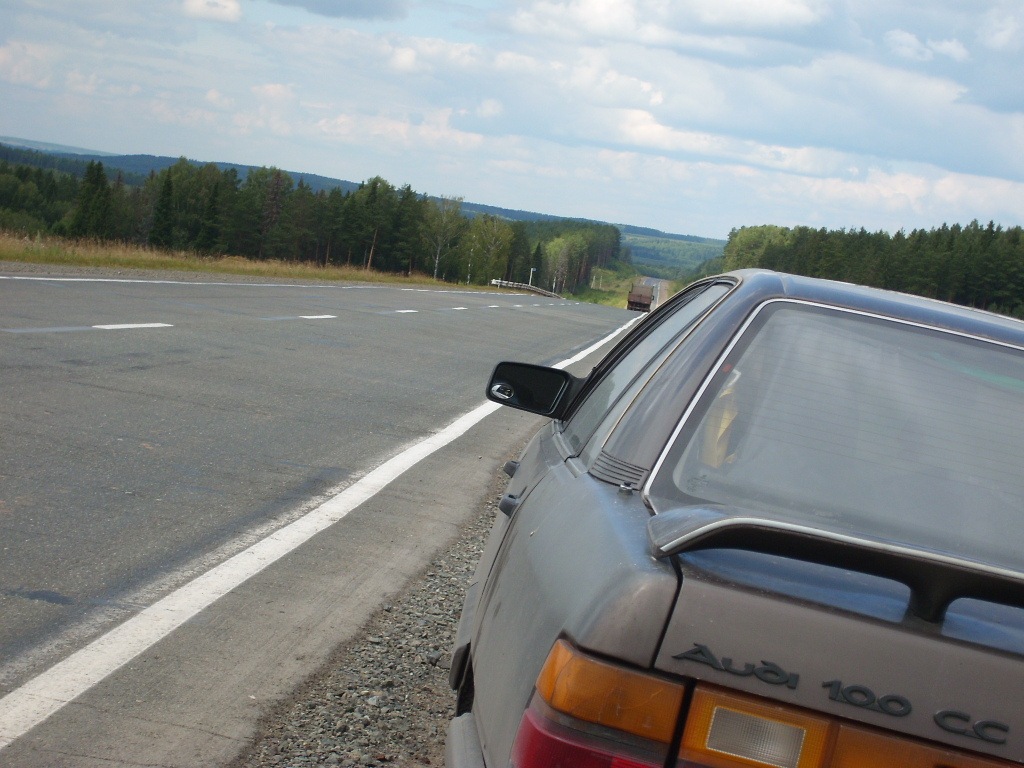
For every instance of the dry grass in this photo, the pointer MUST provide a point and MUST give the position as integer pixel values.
(77, 253)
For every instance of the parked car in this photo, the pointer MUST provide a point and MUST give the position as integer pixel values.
(780, 524)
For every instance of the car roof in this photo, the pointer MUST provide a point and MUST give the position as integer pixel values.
(758, 285)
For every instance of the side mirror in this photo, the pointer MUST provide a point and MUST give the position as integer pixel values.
(533, 388)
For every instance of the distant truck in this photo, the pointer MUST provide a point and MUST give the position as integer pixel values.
(640, 297)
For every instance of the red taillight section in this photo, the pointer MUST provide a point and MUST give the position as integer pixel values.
(541, 743)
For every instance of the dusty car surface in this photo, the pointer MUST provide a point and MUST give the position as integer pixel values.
(778, 525)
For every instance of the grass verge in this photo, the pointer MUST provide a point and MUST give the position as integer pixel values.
(58, 251)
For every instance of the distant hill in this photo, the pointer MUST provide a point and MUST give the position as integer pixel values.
(665, 255)
(660, 254)
(42, 146)
(136, 168)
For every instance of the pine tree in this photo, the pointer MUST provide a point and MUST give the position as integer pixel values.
(162, 233)
(209, 230)
(92, 217)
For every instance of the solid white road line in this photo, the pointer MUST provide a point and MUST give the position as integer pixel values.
(47, 693)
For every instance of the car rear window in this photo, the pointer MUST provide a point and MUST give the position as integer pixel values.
(861, 425)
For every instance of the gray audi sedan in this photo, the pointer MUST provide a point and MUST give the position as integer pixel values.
(779, 525)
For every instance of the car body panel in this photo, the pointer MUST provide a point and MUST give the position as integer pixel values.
(536, 459)
(543, 586)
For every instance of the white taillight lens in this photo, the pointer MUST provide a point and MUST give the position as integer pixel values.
(766, 742)
(726, 729)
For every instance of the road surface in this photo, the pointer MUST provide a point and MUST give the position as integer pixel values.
(153, 430)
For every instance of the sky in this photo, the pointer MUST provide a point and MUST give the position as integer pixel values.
(689, 116)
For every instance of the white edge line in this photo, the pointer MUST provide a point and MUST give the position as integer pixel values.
(47, 693)
(594, 347)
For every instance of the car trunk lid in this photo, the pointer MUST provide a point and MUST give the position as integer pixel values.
(852, 640)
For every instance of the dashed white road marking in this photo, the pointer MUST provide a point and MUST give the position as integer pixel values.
(317, 317)
(42, 696)
(131, 326)
(406, 311)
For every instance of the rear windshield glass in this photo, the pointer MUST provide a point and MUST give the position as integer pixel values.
(861, 425)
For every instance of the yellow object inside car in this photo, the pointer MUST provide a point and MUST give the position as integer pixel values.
(718, 425)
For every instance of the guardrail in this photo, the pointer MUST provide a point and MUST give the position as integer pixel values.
(524, 287)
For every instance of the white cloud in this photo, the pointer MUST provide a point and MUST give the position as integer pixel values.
(217, 99)
(27, 63)
(85, 85)
(1002, 29)
(909, 46)
(954, 49)
(596, 78)
(216, 10)
(164, 111)
(431, 131)
(605, 19)
(490, 108)
(665, 22)
(758, 14)
(641, 129)
(404, 60)
(274, 92)
(275, 110)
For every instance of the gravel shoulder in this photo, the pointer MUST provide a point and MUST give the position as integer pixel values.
(383, 697)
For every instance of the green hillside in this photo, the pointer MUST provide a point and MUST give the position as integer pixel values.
(669, 256)
(655, 253)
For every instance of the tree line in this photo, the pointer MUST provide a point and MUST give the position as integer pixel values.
(268, 215)
(975, 265)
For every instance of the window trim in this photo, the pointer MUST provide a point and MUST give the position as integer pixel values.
(615, 357)
(643, 329)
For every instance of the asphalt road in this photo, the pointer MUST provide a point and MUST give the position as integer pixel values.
(150, 430)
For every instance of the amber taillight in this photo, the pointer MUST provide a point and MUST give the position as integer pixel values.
(593, 714)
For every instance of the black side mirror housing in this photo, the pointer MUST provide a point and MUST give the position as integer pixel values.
(533, 388)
